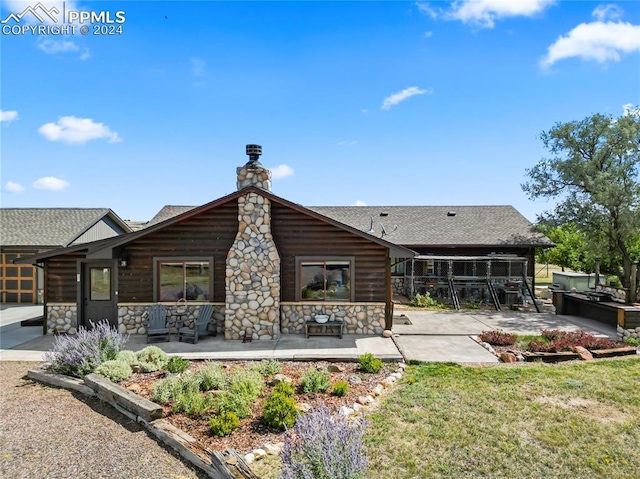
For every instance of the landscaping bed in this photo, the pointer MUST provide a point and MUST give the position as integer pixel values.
(552, 346)
(252, 432)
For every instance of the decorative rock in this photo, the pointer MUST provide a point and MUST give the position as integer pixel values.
(304, 407)
(334, 368)
(345, 411)
(583, 353)
(355, 379)
(362, 400)
(387, 333)
(369, 399)
(389, 380)
(508, 357)
(377, 391)
(249, 458)
(259, 453)
(402, 366)
(273, 449)
(357, 407)
(488, 347)
(396, 375)
(280, 378)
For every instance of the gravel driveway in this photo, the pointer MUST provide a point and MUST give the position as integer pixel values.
(51, 433)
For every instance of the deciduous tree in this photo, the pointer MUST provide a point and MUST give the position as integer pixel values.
(593, 174)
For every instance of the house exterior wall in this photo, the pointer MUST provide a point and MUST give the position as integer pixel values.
(297, 234)
(359, 318)
(105, 228)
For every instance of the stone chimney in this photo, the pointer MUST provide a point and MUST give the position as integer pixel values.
(253, 264)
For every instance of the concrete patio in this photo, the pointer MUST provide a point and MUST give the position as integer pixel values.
(431, 336)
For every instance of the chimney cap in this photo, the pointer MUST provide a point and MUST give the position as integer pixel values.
(253, 152)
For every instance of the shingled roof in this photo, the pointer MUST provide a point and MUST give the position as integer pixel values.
(425, 226)
(168, 211)
(50, 226)
(413, 226)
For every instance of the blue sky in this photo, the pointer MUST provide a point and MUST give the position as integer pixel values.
(378, 103)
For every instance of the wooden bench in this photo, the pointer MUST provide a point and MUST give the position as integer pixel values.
(330, 328)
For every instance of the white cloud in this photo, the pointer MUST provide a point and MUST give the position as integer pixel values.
(484, 13)
(70, 129)
(50, 183)
(359, 203)
(85, 55)
(347, 143)
(281, 171)
(428, 34)
(52, 47)
(8, 116)
(12, 187)
(599, 41)
(198, 67)
(607, 12)
(364, 111)
(400, 96)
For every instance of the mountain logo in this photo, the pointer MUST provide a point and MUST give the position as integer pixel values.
(39, 11)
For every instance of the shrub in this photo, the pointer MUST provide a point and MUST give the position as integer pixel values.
(567, 341)
(370, 364)
(177, 365)
(424, 301)
(268, 367)
(224, 424)
(152, 358)
(324, 446)
(80, 355)
(341, 388)
(212, 376)
(314, 381)
(632, 341)
(128, 357)
(236, 403)
(166, 389)
(115, 370)
(193, 403)
(170, 388)
(247, 383)
(280, 410)
(497, 338)
(474, 304)
(287, 389)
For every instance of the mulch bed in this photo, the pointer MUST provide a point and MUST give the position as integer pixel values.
(252, 433)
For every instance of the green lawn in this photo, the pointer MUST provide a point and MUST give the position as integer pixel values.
(531, 421)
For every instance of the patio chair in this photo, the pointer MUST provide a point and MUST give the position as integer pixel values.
(198, 328)
(156, 323)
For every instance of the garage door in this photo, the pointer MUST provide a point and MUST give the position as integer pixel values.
(17, 281)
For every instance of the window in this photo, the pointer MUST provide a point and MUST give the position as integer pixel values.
(190, 279)
(397, 267)
(325, 280)
(100, 284)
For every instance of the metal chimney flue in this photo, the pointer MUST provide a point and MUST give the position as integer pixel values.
(254, 152)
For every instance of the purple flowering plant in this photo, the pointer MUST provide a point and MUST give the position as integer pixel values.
(79, 355)
(324, 446)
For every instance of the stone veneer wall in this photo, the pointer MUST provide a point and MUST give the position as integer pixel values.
(62, 318)
(397, 284)
(252, 280)
(130, 316)
(360, 318)
(628, 333)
